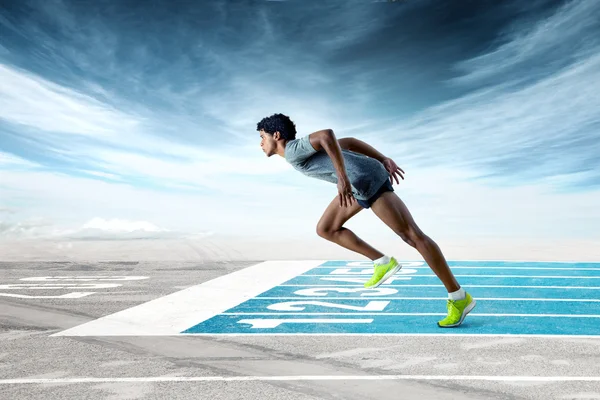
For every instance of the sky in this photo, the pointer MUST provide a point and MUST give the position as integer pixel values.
(122, 120)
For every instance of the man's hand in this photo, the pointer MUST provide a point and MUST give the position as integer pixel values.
(393, 170)
(345, 192)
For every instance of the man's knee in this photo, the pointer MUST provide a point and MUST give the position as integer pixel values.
(324, 231)
(412, 236)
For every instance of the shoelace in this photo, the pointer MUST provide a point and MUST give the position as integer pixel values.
(451, 305)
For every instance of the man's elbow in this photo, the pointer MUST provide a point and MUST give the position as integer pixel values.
(322, 139)
(327, 135)
(347, 143)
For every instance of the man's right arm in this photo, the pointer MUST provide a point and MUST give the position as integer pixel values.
(325, 140)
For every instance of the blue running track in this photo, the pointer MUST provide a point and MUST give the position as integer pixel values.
(518, 298)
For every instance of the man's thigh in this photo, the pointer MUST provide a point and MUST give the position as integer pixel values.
(335, 216)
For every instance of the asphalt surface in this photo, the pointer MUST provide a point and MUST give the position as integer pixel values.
(29, 354)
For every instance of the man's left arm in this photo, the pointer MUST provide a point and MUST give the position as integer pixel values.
(361, 147)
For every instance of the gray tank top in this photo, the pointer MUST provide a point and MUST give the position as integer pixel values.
(366, 174)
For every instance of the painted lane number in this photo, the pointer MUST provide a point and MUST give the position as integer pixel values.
(48, 286)
(65, 282)
(368, 292)
(368, 271)
(84, 278)
(298, 305)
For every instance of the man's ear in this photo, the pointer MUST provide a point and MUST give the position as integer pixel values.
(277, 135)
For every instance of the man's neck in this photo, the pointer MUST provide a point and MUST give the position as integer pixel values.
(281, 149)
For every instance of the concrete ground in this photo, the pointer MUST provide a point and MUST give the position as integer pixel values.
(36, 365)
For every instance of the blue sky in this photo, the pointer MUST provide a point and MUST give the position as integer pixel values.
(119, 119)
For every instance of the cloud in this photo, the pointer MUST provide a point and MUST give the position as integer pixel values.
(10, 160)
(258, 208)
(123, 151)
(196, 123)
(118, 225)
(539, 47)
(120, 229)
(518, 133)
(189, 114)
(25, 229)
(26, 99)
(446, 203)
(94, 229)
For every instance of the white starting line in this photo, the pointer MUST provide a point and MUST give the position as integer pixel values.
(145, 379)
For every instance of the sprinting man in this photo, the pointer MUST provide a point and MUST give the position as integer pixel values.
(364, 179)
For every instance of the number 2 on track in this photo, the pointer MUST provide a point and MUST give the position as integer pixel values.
(299, 305)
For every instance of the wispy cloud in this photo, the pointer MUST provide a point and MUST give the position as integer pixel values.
(24, 229)
(548, 126)
(9, 160)
(118, 147)
(530, 48)
(26, 99)
(94, 229)
(152, 119)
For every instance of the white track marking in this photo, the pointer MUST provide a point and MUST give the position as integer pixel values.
(54, 286)
(424, 298)
(341, 276)
(174, 313)
(72, 295)
(420, 314)
(414, 263)
(483, 268)
(274, 323)
(495, 378)
(466, 286)
(358, 334)
(84, 278)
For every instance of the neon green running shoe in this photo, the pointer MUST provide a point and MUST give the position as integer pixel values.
(457, 311)
(382, 273)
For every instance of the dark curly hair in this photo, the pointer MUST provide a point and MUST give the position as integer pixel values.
(278, 122)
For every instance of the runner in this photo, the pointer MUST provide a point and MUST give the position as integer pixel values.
(364, 179)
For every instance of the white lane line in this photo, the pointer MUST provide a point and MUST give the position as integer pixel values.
(316, 285)
(421, 298)
(467, 260)
(174, 313)
(355, 334)
(144, 379)
(464, 276)
(72, 295)
(275, 322)
(479, 268)
(417, 314)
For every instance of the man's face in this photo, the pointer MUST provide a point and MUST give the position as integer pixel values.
(267, 143)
